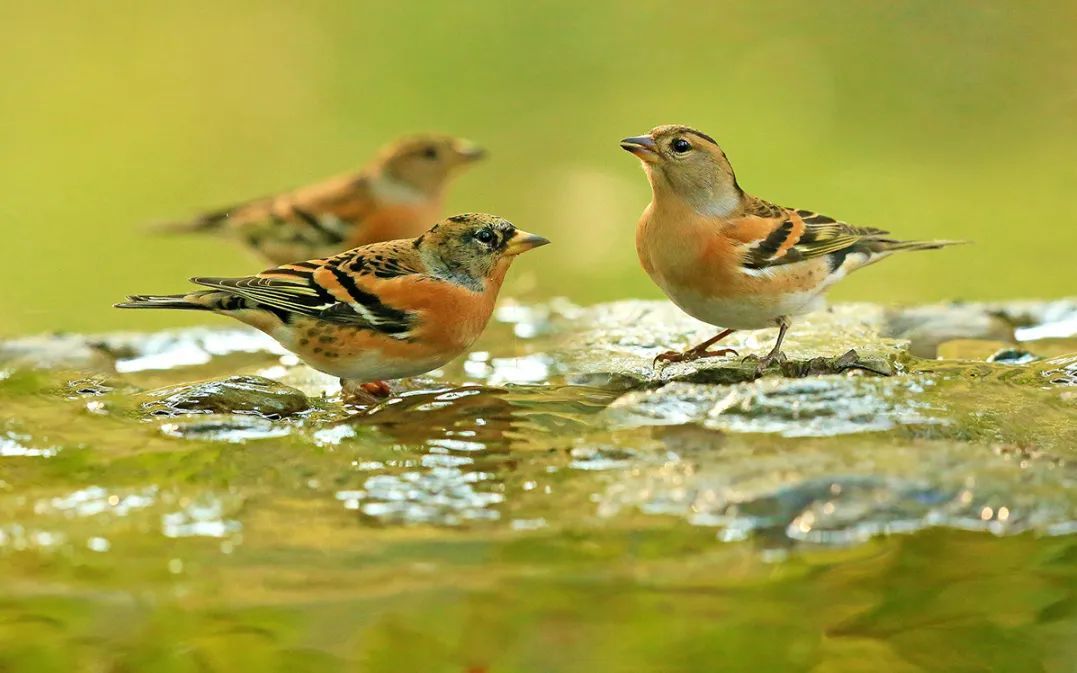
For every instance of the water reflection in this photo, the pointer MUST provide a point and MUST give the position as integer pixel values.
(200, 517)
(441, 495)
(19, 445)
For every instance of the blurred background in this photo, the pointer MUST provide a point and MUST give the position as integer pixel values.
(950, 120)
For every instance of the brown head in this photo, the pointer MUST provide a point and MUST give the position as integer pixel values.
(473, 247)
(688, 164)
(425, 162)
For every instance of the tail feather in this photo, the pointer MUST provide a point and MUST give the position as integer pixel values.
(890, 245)
(875, 249)
(173, 301)
(205, 223)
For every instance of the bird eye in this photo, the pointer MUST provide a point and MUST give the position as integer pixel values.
(680, 145)
(430, 152)
(485, 236)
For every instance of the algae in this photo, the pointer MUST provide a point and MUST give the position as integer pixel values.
(865, 503)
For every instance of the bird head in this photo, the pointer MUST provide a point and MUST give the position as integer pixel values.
(688, 164)
(427, 161)
(470, 247)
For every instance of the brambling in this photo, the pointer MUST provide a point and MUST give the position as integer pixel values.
(382, 311)
(397, 196)
(731, 259)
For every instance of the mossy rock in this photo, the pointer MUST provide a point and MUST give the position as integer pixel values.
(231, 395)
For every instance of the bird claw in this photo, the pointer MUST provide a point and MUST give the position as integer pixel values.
(364, 394)
(377, 389)
(690, 355)
(767, 360)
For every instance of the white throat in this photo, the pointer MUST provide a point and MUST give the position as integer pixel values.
(722, 205)
(393, 191)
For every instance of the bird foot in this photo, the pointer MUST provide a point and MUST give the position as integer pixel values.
(364, 394)
(773, 357)
(378, 389)
(690, 355)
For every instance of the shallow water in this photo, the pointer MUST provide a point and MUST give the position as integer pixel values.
(547, 503)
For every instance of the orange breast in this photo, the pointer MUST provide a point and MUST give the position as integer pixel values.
(388, 223)
(684, 251)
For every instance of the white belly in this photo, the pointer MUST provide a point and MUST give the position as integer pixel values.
(376, 368)
(755, 312)
(365, 367)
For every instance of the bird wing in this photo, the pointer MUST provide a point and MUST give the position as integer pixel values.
(327, 289)
(777, 236)
(317, 217)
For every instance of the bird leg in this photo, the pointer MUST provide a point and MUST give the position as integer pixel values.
(697, 352)
(359, 394)
(775, 354)
(378, 389)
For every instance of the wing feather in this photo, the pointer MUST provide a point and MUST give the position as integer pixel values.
(800, 235)
(327, 291)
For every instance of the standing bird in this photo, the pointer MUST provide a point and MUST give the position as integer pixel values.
(732, 259)
(383, 311)
(397, 196)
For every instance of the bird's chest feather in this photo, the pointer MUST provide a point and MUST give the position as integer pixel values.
(681, 254)
(701, 271)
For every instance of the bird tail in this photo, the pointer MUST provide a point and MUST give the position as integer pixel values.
(176, 301)
(877, 248)
(890, 245)
(203, 224)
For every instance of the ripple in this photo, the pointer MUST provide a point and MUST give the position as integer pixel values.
(16, 445)
(181, 348)
(803, 496)
(203, 517)
(818, 407)
(231, 429)
(442, 495)
(94, 500)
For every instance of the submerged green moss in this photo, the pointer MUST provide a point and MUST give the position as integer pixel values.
(549, 502)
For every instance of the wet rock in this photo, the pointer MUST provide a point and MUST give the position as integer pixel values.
(236, 394)
(817, 407)
(741, 371)
(1012, 356)
(839, 493)
(1062, 371)
(928, 326)
(96, 386)
(55, 351)
(615, 345)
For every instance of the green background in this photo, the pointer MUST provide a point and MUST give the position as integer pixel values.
(932, 119)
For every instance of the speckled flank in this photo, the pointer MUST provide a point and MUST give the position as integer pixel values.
(386, 310)
(754, 262)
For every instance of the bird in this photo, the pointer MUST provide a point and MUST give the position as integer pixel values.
(386, 310)
(398, 195)
(733, 260)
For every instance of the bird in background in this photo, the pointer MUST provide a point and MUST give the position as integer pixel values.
(734, 260)
(398, 195)
(383, 311)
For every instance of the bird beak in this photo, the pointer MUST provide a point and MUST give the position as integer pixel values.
(469, 151)
(643, 147)
(522, 241)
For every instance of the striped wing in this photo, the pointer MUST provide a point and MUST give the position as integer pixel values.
(799, 235)
(322, 289)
